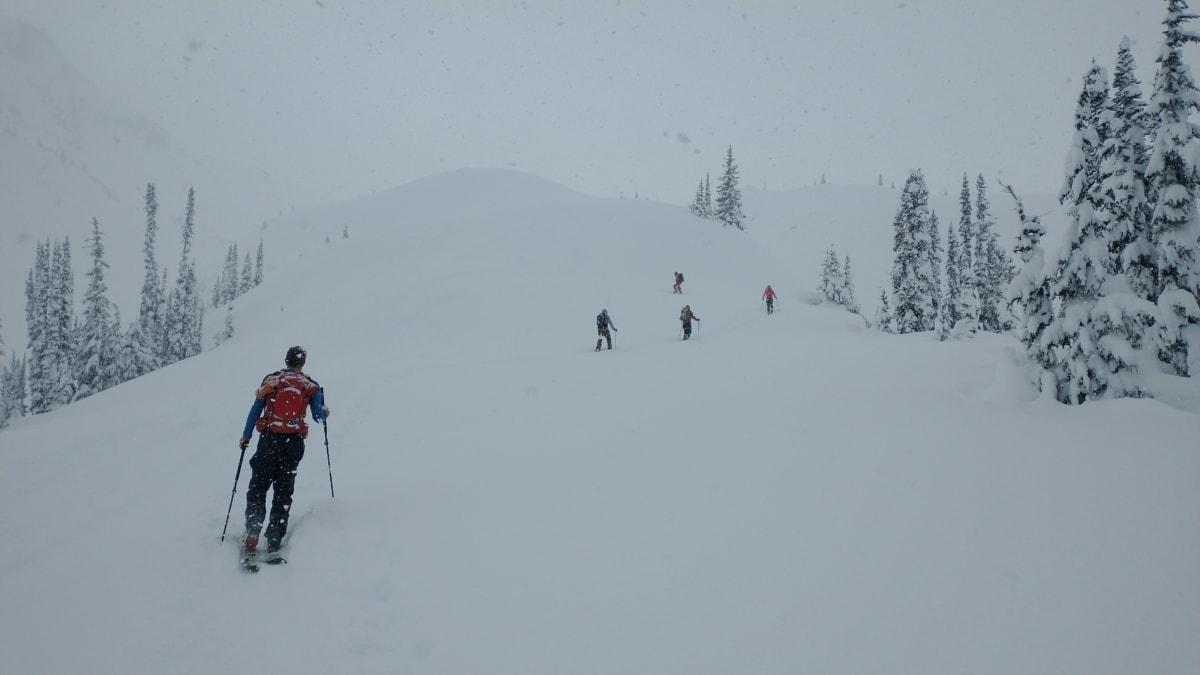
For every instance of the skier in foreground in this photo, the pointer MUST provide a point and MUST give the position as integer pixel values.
(603, 323)
(687, 316)
(278, 415)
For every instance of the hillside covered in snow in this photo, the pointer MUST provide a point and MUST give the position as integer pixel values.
(785, 493)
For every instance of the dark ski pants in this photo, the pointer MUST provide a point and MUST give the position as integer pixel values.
(604, 334)
(687, 330)
(770, 305)
(273, 466)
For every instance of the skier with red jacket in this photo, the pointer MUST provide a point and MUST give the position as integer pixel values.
(278, 414)
(769, 298)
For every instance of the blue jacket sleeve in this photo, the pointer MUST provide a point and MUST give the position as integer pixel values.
(255, 411)
(317, 405)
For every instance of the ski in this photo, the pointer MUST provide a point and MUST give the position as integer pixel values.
(252, 562)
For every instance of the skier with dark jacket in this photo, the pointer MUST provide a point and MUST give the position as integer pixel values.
(687, 316)
(603, 323)
(278, 414)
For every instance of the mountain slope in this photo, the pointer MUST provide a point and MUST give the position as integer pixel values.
(69, 153)
(792, 493)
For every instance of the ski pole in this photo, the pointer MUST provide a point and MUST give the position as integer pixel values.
(236, 476)
(328, 461)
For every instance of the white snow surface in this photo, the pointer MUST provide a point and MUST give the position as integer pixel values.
(792, 493)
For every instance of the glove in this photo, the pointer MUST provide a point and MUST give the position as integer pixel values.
(243, 442)
(324, 413)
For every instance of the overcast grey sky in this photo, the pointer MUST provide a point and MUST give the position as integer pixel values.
(609, 97)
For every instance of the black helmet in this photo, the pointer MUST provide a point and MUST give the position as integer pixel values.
(296, 356)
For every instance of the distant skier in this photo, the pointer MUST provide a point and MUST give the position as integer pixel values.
(769, 297)
(678, 283)
(278, 415)
(603, 323)
(687, 317)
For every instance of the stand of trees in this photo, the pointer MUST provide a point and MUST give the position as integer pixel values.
(72, 357)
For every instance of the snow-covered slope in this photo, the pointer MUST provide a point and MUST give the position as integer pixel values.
(785, 494)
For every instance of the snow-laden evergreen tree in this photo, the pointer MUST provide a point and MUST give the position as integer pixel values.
(914, 277)
(1173, 174)
(126, 358)
(37, 326)
(1077, 284)
(848, 290)
(708, 197)
(832, 282)
(12, 390)
(258, 265)
(230, 274)
(698, 205)
(1116, 216)
(247, 281)
(952, 298)
(227, 333)
(1122, 195)
(1079, 274)
(62, 325)
(95, 352)
(883, 313)
(185, 311)
(729, 195)
(228, 285)
(942, 325)
(935, 257)
(146, 335)
(991, 267)
(967, 300)
(1028, 295)
(1083, 159)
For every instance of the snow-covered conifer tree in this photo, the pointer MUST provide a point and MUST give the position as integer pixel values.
(227, 333)
(145, 337)
(1029, 294)
(1174, 177)
(952, 298)
(729, 195)
(883, 313)
(185, 310)
(62, 325)
(258, 265)
(832, 281)
(848, 287)
(95, 353)
(12, 390)
(697, 205)
(709, 210)
(913, 267)
(1121, 192)
(37, 324)
(1083, 164)
(247, 276)
(991, 266)
(967, 308)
